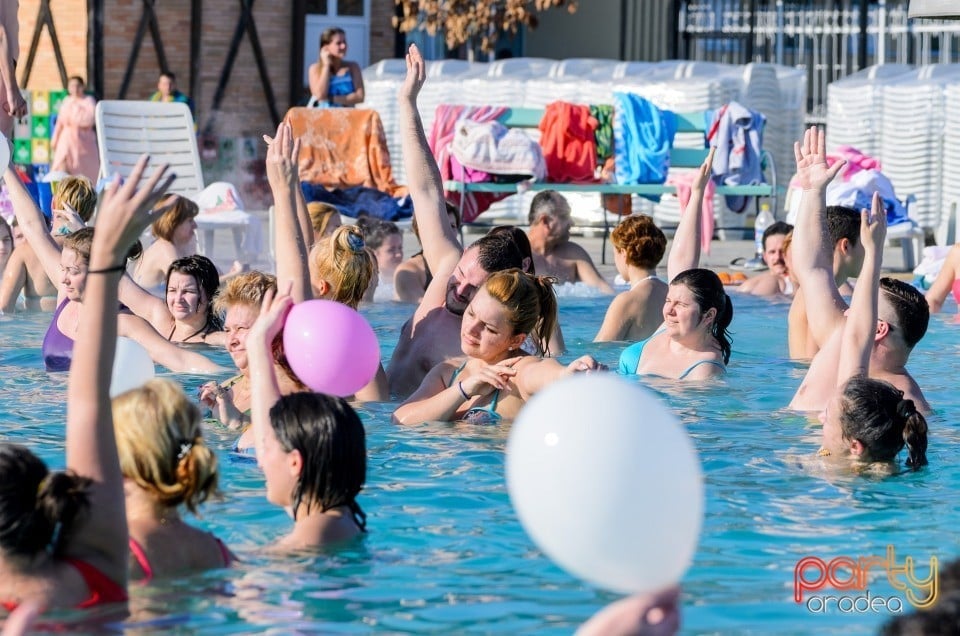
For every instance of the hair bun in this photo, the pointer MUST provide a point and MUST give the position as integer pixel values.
(355, 241)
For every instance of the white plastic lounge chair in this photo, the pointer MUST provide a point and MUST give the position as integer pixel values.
(164, 130)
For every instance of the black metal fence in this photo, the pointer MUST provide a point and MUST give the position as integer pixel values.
(829, 39)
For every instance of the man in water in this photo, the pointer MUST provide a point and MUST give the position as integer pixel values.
(776, 280)
(554, 254)
(903, 311)
(432, 335)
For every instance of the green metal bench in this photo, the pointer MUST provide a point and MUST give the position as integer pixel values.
(679, 158)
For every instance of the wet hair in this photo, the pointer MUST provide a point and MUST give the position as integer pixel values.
(910, 307)
(530, 301)
(183, 210)
(38, 508)
(80, 193)
(523, 243)
(320, 215)
(843, 222)
(330, 438)
(327, 36)
(205, 273)
(247, 289)
(546, 203)
(708, 291)
(345, 262)
(82, 240)
(160, 444)
(874, 413)
(497, 252)
(375, 231)
(452, 210)
(642, 242)
(775, 229)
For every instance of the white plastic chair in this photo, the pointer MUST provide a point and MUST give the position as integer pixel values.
(165, 131)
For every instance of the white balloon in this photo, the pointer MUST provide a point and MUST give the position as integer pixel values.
(132, 367)
(607, 483)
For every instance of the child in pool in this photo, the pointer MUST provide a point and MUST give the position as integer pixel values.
(311, 447)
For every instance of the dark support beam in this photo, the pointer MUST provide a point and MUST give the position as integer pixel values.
(44, 19)
(196, 35)
(148, 20)
(246, 25)
(95, 47)
(297, 51)
(862, 43)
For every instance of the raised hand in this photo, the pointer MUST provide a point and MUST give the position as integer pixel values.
(416, 75)
(126, 210)
(873, 225)
(705, 171)
(283, 157)
(273, 313)
(813, 172)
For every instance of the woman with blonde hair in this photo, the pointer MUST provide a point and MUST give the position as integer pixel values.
(165, 464)
(239, 302)
(175, 234)
(338, 268)
(324, 219)
(495, 377)
(342, 267)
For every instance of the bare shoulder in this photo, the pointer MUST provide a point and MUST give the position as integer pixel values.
(572, 251)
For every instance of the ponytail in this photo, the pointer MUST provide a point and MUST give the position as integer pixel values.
(719, 328)
(914, 434)
(38, 509)
(547, 324)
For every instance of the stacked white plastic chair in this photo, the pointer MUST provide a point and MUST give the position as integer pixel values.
(950, 190)
(380, 85)
(912, 124)
(854, 107)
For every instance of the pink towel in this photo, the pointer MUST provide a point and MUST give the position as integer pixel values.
(684, 184)
(856, 161)
(440, 141)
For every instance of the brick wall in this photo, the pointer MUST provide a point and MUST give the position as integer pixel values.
(70, 21)
(382, 34)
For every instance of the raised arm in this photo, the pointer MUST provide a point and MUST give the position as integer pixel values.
(291, 246)
(101, 538)
(811, 248)
(162, 351)
(441, 246)
(685, 247)
(319, 73)
(860, 327)
(264, 388)
(14, 278)
(34, 227)
(941, 286)
(151, 308)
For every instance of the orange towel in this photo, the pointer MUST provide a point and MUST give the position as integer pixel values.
(343, 148)
(569, 143)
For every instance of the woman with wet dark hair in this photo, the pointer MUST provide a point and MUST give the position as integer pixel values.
(186, 314)
(693, 342)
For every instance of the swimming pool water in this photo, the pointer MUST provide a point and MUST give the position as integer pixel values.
(446, 554)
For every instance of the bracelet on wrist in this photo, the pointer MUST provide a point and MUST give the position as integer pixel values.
(109, 270)
(462, 392)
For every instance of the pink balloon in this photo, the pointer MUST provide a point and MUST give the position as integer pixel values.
(330, 347)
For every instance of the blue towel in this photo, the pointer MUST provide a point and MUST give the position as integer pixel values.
(737, 132)
(358, 200)
(643, 135)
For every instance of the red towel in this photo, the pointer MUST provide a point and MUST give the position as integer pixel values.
(567, 136)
